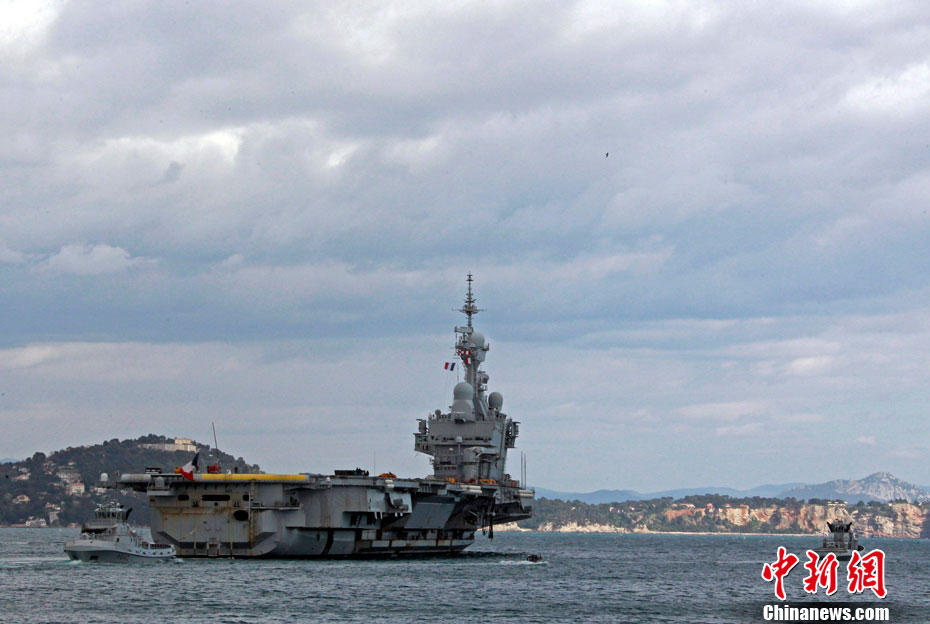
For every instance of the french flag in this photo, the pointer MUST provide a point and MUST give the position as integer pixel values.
(450, 365)
(188, 470)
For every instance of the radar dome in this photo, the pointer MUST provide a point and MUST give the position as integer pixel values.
(496, 400)
(477, 339)
(463, 390)
(104, 477)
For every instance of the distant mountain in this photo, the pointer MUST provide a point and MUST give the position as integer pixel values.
(600, 497)
(591, 498)
(881, 486)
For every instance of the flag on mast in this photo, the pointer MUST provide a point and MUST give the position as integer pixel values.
(188, 470)
(450, 365)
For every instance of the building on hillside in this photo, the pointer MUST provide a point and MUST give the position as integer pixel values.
(74, 488)
(69, 476)
(22, 477)
(179, 444)
(22, 498)
(36, 523)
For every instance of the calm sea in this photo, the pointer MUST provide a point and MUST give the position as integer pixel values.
(583, 577)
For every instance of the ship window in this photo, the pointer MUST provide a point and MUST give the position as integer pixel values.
(241, 515)
(245, 497)
(183, 497)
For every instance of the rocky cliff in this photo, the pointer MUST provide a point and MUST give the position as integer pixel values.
(720, 514)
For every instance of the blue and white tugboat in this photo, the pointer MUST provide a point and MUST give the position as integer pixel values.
(109, 538)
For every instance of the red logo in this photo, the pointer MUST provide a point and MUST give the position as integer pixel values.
(822, 573)
(867, 572)
(779, 570)
(863, 572)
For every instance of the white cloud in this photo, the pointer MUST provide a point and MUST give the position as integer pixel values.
(591, 18)
(743, 429)
(904, 92)
(29, 356)
(78, 259)
(25, 25)
(801, 418)
(722, 411)
(815, 365)
(10, 256)
(909, 452)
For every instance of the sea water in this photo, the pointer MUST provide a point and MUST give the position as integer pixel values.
(582, 577)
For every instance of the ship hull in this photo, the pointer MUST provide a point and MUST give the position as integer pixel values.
(296, 516)
(106, 552)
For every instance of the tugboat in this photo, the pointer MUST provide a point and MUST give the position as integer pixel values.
(841, 540)
(110, 538)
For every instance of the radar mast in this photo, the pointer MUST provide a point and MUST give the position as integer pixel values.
(469, 309)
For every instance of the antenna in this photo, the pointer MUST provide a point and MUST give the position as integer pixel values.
(216, 446)
(469, 309)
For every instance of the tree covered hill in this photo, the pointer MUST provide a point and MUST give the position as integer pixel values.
(59, 488)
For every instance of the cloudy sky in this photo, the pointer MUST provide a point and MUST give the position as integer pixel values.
(262, 214)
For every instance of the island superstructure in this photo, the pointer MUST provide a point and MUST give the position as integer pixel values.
(469, 443)
(350, 512)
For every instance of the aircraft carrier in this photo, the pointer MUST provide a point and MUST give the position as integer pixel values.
(350, 512)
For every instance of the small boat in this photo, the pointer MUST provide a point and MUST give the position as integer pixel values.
(110, 538)
(841, 540)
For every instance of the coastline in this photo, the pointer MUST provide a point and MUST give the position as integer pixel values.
(598, 530)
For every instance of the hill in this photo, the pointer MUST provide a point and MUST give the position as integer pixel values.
(880, 486)
(58, 489)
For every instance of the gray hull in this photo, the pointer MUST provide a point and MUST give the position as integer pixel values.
(323, 516)
(106, 552)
